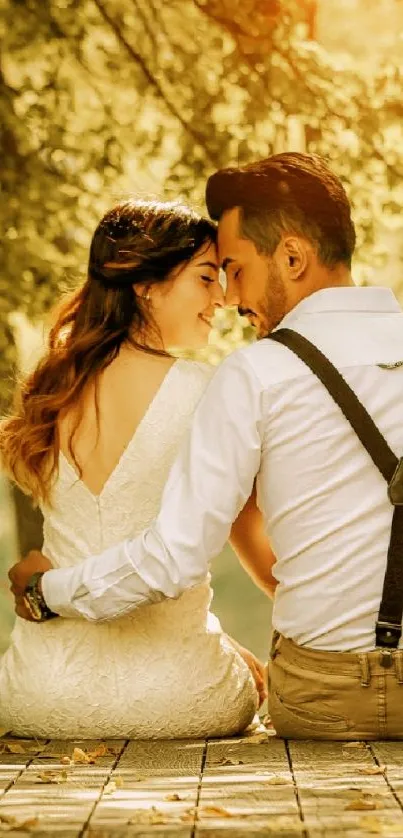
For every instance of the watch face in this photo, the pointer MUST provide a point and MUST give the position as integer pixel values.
(32, 606)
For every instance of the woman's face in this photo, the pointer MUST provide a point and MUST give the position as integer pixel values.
(183, 306)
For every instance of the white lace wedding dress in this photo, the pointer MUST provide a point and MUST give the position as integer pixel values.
(167, 670)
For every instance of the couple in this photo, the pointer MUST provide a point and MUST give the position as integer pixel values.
(268, 448)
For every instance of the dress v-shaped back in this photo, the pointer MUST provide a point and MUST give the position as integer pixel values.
(167, 670)
(64, 462)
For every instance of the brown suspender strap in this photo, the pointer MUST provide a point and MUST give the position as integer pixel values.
(388, 628)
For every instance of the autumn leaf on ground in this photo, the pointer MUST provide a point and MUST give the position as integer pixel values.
(230, 761)
(12, 748)
(14, 824)
(53, 777)
(363, 804)
(89, 757)
(81, 756)
(148, 816)
(372, 769)
(214, 812)
(188, 816)
(101, 750)
(371, 824)
(8, 819)
(278, 781)
(360, 745)
(254, 728)
(258, 738)
(113, 785)
(173, 797)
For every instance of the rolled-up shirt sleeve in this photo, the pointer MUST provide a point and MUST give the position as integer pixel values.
(208, 485)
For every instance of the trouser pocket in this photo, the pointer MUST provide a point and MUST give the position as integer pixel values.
(303, 702)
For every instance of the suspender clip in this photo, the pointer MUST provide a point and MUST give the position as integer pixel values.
(387, 635)
(386, 658)
(395, 487)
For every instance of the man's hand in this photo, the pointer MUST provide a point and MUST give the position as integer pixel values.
(19, 576)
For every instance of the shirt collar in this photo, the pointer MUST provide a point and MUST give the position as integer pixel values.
(346, 299)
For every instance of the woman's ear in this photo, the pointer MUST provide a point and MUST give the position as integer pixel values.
(296, 257)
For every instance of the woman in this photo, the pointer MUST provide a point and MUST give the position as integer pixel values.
(93, 439)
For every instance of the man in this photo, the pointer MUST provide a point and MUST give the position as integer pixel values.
(286, 240)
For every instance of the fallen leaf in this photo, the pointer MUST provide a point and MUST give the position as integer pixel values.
(173, 797)
(360, 745)
(15, 824)
(53, 777)
(14, 748)
(230, 761)
(29, 823)
(371, 824)
(363, 804)
(214, 812)
(279, 781)
(254, 727)
(9, 819)
(113, 785)
(100, 751)
(110, 787)
(372, 769)
(188, 816)
(258, 738)
(148, 816)
(80, 756)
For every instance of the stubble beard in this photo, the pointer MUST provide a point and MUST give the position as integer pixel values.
(274, 302)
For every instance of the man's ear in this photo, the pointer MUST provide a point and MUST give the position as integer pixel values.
(296, 257)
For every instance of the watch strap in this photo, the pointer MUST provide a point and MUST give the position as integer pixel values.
(35, 600)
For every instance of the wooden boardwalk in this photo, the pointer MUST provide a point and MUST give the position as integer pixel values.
(255, 785)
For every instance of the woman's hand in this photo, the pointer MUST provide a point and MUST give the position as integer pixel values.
(19, 576)
(256, 667)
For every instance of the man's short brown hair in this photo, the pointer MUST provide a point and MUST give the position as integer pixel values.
(287, 193)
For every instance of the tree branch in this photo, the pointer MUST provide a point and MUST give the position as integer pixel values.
(155, 84)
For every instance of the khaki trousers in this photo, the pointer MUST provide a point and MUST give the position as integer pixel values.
(334, 695)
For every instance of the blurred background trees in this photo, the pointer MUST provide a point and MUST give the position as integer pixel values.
(104, 97)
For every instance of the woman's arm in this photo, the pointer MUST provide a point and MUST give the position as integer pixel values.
(250, 543)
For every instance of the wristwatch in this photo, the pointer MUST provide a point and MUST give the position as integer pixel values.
(35, 602)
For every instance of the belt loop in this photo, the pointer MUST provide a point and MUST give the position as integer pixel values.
(275, 644)
(398, 660)
(365, 670)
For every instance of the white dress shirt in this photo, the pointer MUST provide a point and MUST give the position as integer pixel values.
(325, 505)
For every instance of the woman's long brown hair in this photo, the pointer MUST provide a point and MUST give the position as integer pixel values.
(136, 243)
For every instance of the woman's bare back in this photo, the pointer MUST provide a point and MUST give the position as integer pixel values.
(125, 391)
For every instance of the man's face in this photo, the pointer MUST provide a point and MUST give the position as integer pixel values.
(254, 280)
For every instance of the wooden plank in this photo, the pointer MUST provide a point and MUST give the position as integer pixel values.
(64, 807)
(341, 791)
(390, 755)
(247, 789)
(158, 784)
(165, 757)
(15, 755)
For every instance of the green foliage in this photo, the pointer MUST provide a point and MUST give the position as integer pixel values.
(104, 97)
(229, 331)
